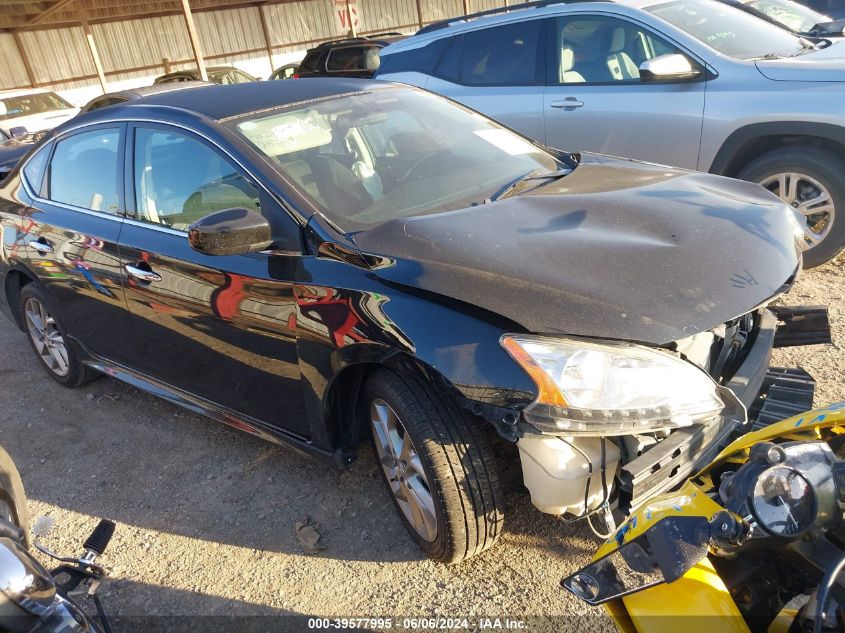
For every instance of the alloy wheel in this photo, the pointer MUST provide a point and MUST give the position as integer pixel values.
(403, 469)
(808, 196)
(46, 337)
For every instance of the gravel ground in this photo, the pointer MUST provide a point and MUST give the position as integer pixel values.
(206, 514)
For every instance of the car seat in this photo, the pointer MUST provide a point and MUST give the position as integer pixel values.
(619, 63)
(567, 63)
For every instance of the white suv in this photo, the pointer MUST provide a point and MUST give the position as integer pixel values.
(690, 83)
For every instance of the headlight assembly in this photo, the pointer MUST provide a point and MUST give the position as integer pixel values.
(608, 388)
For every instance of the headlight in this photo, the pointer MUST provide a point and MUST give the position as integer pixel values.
(588, 388)
(783, 501)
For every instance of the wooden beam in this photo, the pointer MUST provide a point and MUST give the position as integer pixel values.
(58, 6)
(25, 58)
(419, 13)
(466, 7)
(267, 41)
(352, 29)
(194, 37)
(95, 54)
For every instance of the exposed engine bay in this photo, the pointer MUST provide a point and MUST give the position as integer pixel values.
(578, 475)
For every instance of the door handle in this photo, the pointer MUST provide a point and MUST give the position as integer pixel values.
(569, 102)
(141, 274)
(41, 246)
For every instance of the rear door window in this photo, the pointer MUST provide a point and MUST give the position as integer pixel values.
(504, 55)
(84, 170)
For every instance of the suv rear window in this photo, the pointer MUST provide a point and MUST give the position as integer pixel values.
(309, 64)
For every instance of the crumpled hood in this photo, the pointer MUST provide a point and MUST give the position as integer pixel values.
(617, 249)
(827, 64)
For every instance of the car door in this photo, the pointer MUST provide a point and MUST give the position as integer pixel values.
(595, 100)
(499, 71)
(220, 328)
(68, 235)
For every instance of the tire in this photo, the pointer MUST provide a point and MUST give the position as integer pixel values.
(819, 170)
(13, 506)
(63, 366)
(457, 463)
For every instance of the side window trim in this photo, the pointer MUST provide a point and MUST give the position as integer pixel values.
(552, 54)
(44, 193)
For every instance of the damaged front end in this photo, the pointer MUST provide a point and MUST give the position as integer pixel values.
(616, 423)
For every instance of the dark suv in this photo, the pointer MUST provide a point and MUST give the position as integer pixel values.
(354, 57)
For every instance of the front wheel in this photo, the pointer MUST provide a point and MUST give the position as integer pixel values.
(812, 181)
(438, 465)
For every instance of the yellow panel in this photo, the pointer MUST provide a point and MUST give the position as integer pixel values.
(666, 608)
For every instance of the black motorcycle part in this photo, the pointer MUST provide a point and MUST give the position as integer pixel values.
(100, 537)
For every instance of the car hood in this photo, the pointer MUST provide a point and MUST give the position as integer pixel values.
(617, 249)
(826, 64)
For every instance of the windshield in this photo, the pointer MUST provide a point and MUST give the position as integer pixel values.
(792, 15)
(25, 105)
(369, 158)
(729, 30)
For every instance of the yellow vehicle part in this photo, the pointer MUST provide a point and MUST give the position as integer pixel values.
(700, 591)
(697, 603)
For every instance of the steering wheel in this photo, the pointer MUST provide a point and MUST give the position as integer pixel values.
(417, 164)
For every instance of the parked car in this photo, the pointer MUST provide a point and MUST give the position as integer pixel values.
(793, 16)
(11, 151)
(288, 71)
(122, 96)
(351, 57)
(216, 74)
(316, 262)
(23, 112)
(617, 77)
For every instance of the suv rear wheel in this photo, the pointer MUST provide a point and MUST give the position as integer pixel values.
(438, 466)
(811, 180)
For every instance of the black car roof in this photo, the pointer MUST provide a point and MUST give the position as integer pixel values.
(221, 102)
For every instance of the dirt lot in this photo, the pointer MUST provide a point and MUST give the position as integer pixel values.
(206, 514)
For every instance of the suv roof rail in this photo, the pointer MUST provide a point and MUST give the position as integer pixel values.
(342, 40)
(385, 34)
(536, 4)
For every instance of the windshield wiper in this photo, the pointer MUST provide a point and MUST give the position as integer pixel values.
(537, 174)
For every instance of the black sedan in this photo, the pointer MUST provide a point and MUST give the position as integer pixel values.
(318, 262)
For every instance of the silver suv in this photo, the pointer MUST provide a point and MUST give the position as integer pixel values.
(690, 83)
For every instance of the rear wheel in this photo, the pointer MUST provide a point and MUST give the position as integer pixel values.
(438, 466)
(13, 506)
(812, 181)
(48, 339)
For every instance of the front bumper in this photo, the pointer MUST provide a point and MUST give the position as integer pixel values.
(755, 395)
(767, 394)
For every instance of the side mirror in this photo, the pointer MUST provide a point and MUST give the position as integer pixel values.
(673, 67)
(18, 132)
(230, 232)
